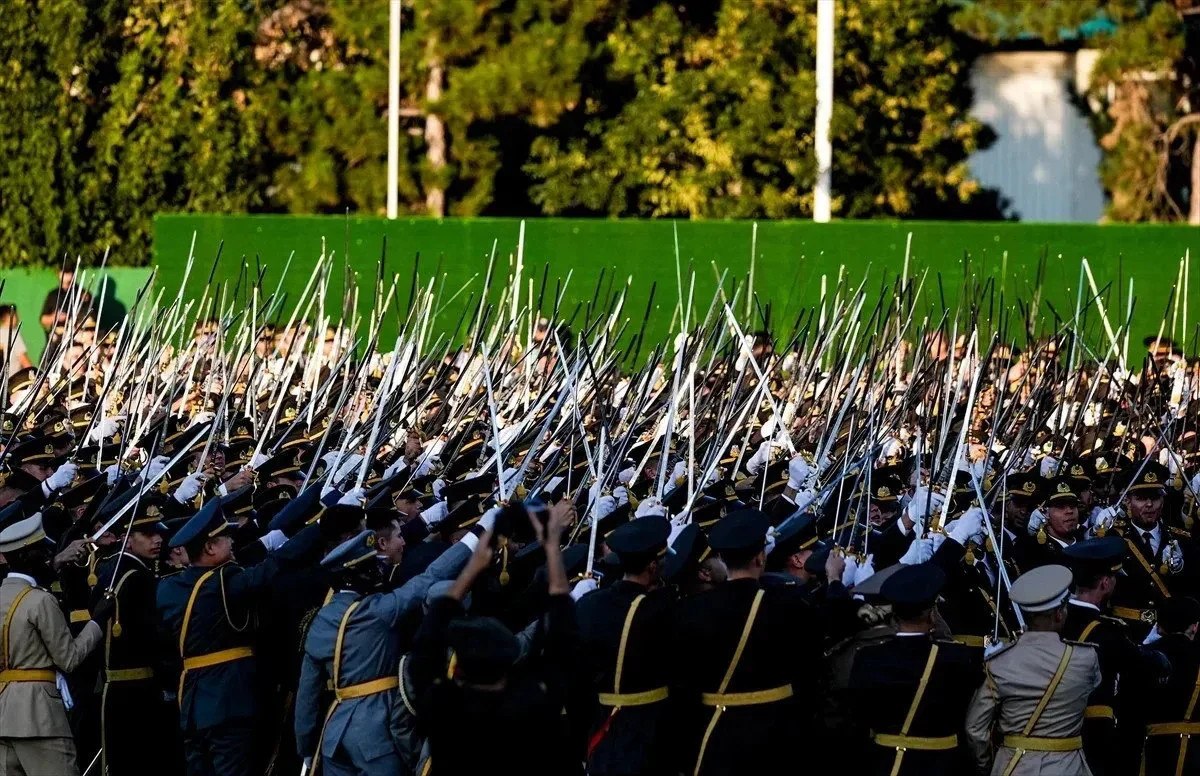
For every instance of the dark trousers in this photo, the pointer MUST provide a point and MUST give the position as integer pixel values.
(224, 750)
(138, 727)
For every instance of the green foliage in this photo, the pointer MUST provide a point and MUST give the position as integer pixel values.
(710, 115)
(116, 110)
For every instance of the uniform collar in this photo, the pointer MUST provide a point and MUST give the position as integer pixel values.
(135, 558)
(24, 577)
(1077, 602)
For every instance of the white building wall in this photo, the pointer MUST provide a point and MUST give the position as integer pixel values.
(1045, 159)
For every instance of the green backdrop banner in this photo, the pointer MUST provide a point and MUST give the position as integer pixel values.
(791, 258)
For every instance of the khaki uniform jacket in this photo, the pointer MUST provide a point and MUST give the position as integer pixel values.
(38, 637)
(1014, 683)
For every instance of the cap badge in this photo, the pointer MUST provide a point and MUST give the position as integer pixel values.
(1076, 471)
(1028, 487)
(1151, 477)
(369, 540)
(1064, 487)
(885, 492)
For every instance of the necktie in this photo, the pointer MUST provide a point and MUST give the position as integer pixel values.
(1148, 538)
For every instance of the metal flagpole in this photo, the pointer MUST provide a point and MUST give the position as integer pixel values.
(393, 169)
(822, 193)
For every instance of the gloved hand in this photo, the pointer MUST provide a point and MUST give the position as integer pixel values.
(924, 502)
(679, 473)
(804, 499)
(395, 467)
(761, 457)
(105, 428)
(798, 472)
(258, 459)
(1048, 467)
(488, 521)
(1037, 518)
(865, 570)
(1102, 519)
(436, 513)
(968, 527)
(650, 505)
(920, 551)
(62, 476)
(273, 540)
(354, 498)
(583, 587)
(1172, 556)
(428, 465)
(438, 486)
(435, 446)
(155, 467)
(603, 507)
(625, 476)
(511, 478)
(769, 541)
(850, 569)
(112, 472)
(621, 494)
(189, 488)
(346, 466)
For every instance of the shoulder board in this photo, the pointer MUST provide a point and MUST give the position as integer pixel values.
(1179, 532)
(1079, 643)
(999, 649)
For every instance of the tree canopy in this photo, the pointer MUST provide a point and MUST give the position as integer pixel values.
(114, 110)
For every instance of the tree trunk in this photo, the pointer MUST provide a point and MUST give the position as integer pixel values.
(435, 132)
(1194, 203)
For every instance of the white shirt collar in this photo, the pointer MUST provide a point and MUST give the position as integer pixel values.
(26, 577)
(1077, 602)
(131, 556)
(908, 633)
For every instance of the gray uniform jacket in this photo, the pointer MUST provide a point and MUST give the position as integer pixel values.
(1015, 681)
(359, 726)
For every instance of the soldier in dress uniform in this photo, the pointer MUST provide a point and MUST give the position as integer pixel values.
(35, 736)
(206, 611)
(1096, 565)
(624, 633)
(1035, 691)
(1061, 529)
(1171, 708)
(746, 657)
(352, 645)
(133, 714)
(911, 691)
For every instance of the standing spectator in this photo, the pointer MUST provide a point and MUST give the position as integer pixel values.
(14, 357)
(55, 308)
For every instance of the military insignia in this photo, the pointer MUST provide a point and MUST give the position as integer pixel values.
(30, 422)
(369, 540)
(152, 511)
(885, 492)
(285, 495)
(163, 487)
(49, 450)
(1063, 487)
(1151, 477)
(1102, 464)
(1029, 487)
(3, 478)
(7, 426)
(1076, 471)
(289, 413)
(730, 492)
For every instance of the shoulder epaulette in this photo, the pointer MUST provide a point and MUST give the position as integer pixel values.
(998, 649)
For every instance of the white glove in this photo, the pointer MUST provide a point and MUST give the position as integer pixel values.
(62, 477)
(112, 472)
(273, 540)
(679, 473)
(354, 498)
(798, 472)
(347, 466)
(488, 521)
(1102, 520)
(968, 527)
(890, 448)
(583, 587)
(650, 506)
(603, 507)
(917, 506)
(804, 499)
(155, 467)
(621, 494)
(104, 429)
(769, 541)
(435, 446)
(258, 459)
(625, 476)
(428, 465)
(850, 570)
(511, 477)
(189, 488)
(395, 467)
(1172, 556)
(438, 486)
(865, 571)
(307, 764)
(1037, 518)
(761, 457)
(436, 513)
(1049, 467)
(1154, 635)
(919, 551)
